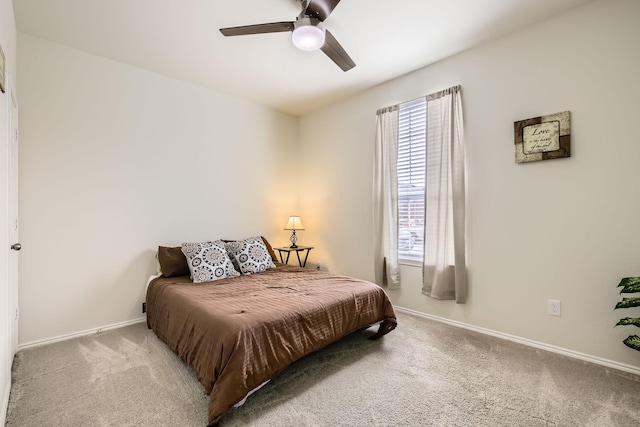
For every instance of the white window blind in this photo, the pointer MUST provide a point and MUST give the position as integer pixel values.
(412, 128)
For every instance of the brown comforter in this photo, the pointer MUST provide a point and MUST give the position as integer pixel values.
(237, 333)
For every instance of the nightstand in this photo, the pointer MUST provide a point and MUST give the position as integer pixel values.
(288, 250)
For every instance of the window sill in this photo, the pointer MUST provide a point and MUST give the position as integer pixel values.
(410, 262)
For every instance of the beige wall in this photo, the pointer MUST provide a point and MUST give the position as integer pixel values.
(563, 229)
(115, 161)
(8, 43)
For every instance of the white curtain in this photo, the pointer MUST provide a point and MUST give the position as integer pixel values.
(385, 199)
(444, 266)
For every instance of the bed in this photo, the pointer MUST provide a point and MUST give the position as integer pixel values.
(239, 332)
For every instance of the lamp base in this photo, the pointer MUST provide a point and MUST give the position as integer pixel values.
(293, 240)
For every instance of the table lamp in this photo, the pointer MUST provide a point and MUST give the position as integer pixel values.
(294, 224)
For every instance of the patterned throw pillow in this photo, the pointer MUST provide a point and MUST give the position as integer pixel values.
(251, 255)
(208, 261)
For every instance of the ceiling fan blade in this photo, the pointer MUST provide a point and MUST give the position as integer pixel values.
(320, 9)
(274, 27)
(333, 50)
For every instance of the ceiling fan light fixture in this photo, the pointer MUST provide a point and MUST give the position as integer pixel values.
(307, 35)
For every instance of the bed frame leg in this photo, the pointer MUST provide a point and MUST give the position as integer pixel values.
(385, 327)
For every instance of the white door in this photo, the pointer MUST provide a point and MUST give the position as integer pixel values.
(13, 216)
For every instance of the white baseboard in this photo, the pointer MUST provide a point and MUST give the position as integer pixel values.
(79, 334)
(5, 403)
(531, 343)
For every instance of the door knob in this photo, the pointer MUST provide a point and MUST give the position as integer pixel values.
(16, 246)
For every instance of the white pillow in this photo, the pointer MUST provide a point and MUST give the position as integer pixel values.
(251, 255)
(208, 261)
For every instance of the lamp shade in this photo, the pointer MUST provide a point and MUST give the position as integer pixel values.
(294, 223)
(307, 35)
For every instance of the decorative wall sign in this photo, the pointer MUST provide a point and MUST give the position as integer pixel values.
(2, 86)
(543, 138)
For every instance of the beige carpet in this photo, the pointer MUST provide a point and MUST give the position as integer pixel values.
(422, 374)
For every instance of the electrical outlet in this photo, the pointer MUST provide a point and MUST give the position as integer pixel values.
(553, 307)
(144, 307)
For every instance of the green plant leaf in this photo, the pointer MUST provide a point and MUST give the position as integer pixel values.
(629, 302)
(629, 321)
(632, 341)
(629, 285)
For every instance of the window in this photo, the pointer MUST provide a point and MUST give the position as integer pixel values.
(419, 193)
(412, 126)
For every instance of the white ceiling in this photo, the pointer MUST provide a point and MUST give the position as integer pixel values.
(180, 39)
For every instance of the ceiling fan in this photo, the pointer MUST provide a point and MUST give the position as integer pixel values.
(307, 34)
